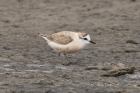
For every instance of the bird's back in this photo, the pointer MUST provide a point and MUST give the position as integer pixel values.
(63, 37)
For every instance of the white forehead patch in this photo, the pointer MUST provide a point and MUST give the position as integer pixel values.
(88, 37)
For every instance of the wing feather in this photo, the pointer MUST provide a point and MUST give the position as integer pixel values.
(61, 37)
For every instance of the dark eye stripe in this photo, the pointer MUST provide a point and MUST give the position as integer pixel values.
(85, 38)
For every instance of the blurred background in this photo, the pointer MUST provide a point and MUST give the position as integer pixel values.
(28, 65)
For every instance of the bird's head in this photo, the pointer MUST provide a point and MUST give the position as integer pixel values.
(85, 38)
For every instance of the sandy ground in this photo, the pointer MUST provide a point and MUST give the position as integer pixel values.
(28, 65)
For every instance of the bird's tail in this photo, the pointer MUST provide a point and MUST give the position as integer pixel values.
(42, 35)
(45, 36)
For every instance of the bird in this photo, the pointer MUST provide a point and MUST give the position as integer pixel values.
(67, 42)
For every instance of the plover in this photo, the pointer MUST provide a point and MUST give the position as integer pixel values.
(67, 42)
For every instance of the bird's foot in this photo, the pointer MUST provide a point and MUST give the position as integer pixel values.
(69, 63)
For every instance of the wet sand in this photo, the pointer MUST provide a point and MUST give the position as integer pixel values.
(28, 65)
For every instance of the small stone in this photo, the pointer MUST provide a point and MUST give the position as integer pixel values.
(119, 72)
(92, 68)
(6, 48)
(131, 51)
(66, 76)
(131, 41)
(6, 21)
(97, 68)
(88, 9)
(44, 82)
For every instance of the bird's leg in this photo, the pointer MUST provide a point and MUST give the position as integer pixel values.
(67, 59)
(59, 54)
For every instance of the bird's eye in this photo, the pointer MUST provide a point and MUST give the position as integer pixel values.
(85, 38)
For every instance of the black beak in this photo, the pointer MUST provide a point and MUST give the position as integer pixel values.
(92, 42)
